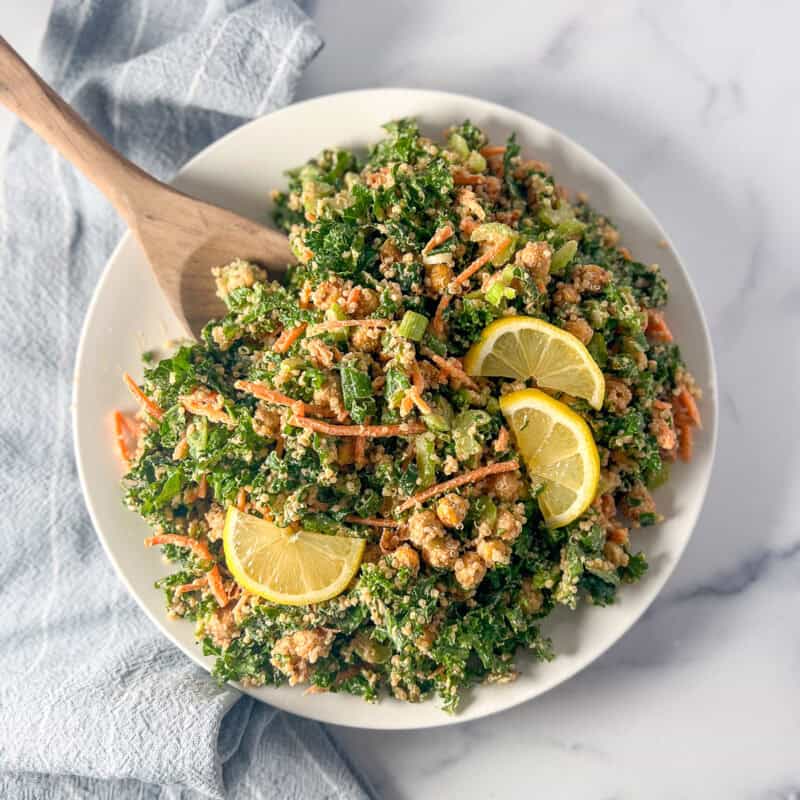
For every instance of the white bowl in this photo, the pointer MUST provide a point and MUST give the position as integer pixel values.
(128, 315)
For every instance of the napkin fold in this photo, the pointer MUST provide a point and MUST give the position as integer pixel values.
(94, 702)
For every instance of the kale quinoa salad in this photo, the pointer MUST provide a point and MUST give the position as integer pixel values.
(381, 475)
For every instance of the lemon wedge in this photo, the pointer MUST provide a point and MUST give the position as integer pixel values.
(292, 568)
(559, 453)
(527, 347)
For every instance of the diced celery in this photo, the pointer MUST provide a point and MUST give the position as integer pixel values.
(597, 349)
(313, 192)
(466, 433)
(660, 477)
(552, 217)
(458, 144)
(484, 509)
(495, 232)
(498, 292)
(413, 326)
(425, 447)
(476, 162)
(563, 256)
(436, 422)
(595, 313)
(336, 312)
(371, 651)
(571, 228)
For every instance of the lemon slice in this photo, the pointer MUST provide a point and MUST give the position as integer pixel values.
(293, 568)
(558, 450)
(526, 347)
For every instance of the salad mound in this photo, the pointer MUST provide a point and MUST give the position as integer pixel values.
(338, 403)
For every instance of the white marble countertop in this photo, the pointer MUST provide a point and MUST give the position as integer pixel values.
(696, 106)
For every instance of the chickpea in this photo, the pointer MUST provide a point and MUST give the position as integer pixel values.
(509, 525)
(438, 277)
(469, 570)
(580, 329)
(615, 554)
(493, 552)
(618, 394)
(424, 525)
(590, 278)
(406, 556)
(507, 486)
(440, 552)
(451, 510)
(531, 599)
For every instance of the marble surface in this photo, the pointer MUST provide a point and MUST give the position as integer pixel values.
(696, 106)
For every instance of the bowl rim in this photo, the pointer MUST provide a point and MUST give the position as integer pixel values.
(656, 581)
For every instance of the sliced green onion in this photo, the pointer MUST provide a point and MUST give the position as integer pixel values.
(413, 326)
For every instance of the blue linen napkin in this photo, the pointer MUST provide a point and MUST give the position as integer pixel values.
(94, 702)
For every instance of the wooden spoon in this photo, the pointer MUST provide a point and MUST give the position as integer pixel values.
(182, 237)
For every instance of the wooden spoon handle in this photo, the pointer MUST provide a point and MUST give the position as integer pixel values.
(33, 101)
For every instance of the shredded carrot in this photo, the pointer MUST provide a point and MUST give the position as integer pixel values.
(217, 586)
(473, 476)
(373, 522)
(407, 403)
(153, 409)
(689, 405)
(207, 404)
(657, 328)
(685, 439)
(461, 178)
(416, 378)
(191, 587)
(270, 395)
(438, 318)
(202, 487)
(359, 446)
(467, 225)
(479, 262)
(440, 237)
(335, 324)
(451, 367)
(488, 152)
(119, 435)
(355, 296)
(279, 399)
(241, 499)
(369, 431)
(200, 549)
(288, 338)
(416, 398)
(502, 441)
